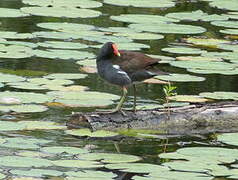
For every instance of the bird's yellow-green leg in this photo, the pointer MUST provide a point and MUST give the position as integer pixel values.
(134, 104)
(122, 100)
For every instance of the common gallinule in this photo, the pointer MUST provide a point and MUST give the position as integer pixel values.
(124, 68)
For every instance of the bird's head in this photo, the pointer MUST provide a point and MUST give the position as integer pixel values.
(109, 49)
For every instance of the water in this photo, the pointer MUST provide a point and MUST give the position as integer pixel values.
(146, 148)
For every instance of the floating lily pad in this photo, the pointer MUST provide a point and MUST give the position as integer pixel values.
(198, 58)
(55, 35)
(142, 36)
(11, 78)
(188, 98)
(65, 76)
(24, 108)
(57, 12)
(222, 4)
(86, 174)
(29, 153)
(15, 51)
(230, 31)
(175, 104)
(196, 16)
(211, 71)
(109, 157)
(229, 47)
(17, 161)
(63, 54)
(227, 24)
(206, 42)
(183, 50)
(118, 29)
(32, 125)
(63, 150)
(169, 28)
(63, 3)
(128, 46)
(180, 78)
(87, 62)
(77, 163)
(84, 98)
(23, 143)
(15, 35)
(55, 87)
(228, 138)
(20, 43)
(107, 38)
(87, 132)
(209, 65)
(65, 27)
(26, 97)
(62, 45)
(137, 167)
(10, 126)
(142, 18)
(26, 85)
(45, 81)
(220, 95)
(36, 172)
(141, 3)
(6, 12)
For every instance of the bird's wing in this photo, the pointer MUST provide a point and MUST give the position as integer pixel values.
(133, 61)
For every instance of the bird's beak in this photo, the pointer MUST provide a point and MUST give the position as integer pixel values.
(115, 50)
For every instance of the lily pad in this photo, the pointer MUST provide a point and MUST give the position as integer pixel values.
(211, 71)
(188, 98)
(142, 36)
(109, 157)
(20, 43)
(65, 76)
(63, 3)
(183, 50)
(206, 42)
(63, 150)
(45, 81)
(65, 27)
(87, 62)
(228, 138)
(90, 174)
(62, 45)
(6, 12)
(84, 98)
(15, 51)
(230, 31)
(222, 4)
(77, 163)
(10, 126)
(17, 161)
(169, 28)
(33, 125)
(142, 18)
(209, 65)
(26, 85)
(15, 35)
(26, 97)
(198, 58)
(57, 12)
(118, 29)
(227, 24)
(24, 108)
(87, 132)
(23, 143)
(107, 38)
(36, 172)
(63, 54)
(196, 16)
(55, 35)
(180, 78)
(137, 167)
(11, 78)
(128, 46)
(141, 3)
(220, 95)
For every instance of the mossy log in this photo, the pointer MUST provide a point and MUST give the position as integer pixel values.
(196, 118)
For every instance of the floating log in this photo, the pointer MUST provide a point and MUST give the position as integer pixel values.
(196, 118)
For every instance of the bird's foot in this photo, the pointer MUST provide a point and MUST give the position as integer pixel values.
(111, 111)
